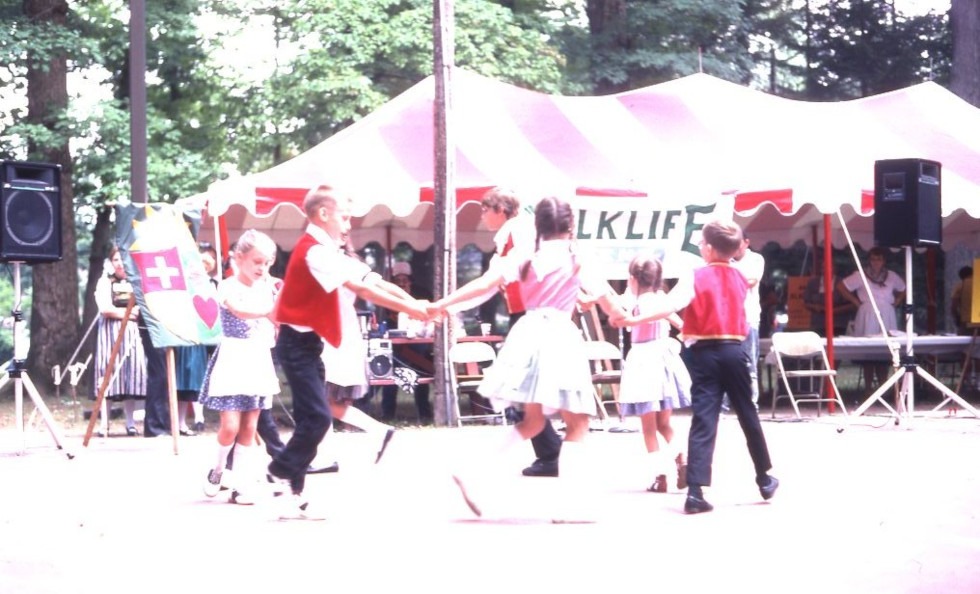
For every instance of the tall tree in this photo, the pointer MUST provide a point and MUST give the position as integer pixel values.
(54, 310)
(964, 18)
(865, 47)
(641, 42)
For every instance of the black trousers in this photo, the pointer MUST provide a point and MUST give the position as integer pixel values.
(157, 419)
(299, 356)
(716, 369)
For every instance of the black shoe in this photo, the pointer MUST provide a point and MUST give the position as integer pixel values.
(541, 468)
(335, 467)
(769, 489)
(199, 426)
(384, 444)
(696, 505)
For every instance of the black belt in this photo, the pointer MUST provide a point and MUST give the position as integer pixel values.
(708, 342)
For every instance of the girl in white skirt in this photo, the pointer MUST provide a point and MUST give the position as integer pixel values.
(241, 378)
(542, 367)
(655, 379)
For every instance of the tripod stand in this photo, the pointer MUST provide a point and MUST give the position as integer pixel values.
(18, 372)
(907, 369)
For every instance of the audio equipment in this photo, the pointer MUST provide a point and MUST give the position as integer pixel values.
(380, 362)
(30, 212)
(908, 203)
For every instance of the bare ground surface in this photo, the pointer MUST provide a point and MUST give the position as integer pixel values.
(875, 508)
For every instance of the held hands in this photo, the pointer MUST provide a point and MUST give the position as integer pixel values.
(418, 309)
(436, 311)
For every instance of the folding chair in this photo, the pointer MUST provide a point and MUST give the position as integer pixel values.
(468, 360)
(801, 357)
(606, 361)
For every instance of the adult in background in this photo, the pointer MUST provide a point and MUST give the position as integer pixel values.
(961, 302)
(416, 356)
(752, 266)
(887, 292)
(501, 213)
(814, 301)
(112, 294)
(308, 312)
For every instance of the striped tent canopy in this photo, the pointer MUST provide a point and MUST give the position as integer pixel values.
(691, 141)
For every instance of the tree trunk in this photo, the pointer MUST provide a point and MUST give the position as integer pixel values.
(54, 310)
(964, 20)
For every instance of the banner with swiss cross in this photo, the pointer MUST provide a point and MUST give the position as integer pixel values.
(178, 303)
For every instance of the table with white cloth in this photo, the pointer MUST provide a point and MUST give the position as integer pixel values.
(875, 348)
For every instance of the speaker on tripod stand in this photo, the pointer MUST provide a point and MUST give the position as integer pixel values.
(30, 233)
(908, 213)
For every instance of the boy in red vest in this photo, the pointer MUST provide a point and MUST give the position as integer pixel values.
(713, 300)
(308, 312)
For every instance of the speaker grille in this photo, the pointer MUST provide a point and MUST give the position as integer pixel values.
(30, 212)
(29, 217)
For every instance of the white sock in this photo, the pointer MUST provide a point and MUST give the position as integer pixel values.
(198, 409)
(579, 501)
(182, 415)
(223, 451)
(656, 462)
(357, 418)
(246, 474)
(129, 407)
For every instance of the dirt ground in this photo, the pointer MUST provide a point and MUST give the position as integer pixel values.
(878, 507)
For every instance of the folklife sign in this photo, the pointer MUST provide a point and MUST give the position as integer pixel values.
(614, 229)
(177, 300)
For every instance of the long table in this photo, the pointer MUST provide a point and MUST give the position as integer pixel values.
(871, 348)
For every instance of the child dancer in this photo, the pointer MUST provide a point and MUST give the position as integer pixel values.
(241, 379)
(542, 366)
(346, 376)
(713, 300)
(655, 379)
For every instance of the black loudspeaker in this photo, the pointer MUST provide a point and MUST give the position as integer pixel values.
(30, 212)
(908, 203)
(379, 360)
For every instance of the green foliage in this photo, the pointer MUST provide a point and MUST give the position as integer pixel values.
(866, 47)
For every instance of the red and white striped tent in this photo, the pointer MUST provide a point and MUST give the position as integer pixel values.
(663, 148)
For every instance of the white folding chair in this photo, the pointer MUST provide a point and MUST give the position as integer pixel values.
(606, 361)
(804, 369)
(468, 360)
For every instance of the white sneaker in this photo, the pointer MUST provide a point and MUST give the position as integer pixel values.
(239, 498)
(280, 486)
(212, 485)
(295, 507)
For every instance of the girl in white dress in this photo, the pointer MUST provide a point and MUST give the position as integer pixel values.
(655, 380)
(241, 377)
(543, 367)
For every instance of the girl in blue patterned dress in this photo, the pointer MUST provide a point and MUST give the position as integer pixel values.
(655, 379)
(241, 378)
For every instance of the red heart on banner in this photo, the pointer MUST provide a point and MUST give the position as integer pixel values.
(207, 309)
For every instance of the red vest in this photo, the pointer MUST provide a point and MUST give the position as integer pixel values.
(512, 291)
(303, 301)
(718, 308)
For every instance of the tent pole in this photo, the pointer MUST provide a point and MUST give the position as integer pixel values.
(444, 186)
(828, 296)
